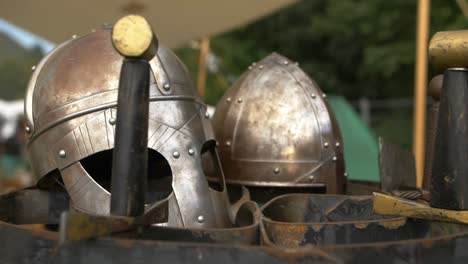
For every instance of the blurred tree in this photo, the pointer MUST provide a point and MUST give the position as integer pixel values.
(354, 48)
(15, 67)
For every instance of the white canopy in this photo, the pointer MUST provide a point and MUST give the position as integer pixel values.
(175, 21)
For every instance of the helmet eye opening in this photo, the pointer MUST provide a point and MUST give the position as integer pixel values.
(159, 182)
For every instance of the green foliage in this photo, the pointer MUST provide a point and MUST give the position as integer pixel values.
(354, 48)
(15, 68)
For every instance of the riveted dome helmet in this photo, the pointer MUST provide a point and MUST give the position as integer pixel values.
(71, 112)
(275, 129)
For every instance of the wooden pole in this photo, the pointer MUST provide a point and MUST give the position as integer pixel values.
(463, 6)
(204, 50)
(420, 85)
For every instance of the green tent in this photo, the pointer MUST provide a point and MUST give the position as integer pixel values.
(360, 145)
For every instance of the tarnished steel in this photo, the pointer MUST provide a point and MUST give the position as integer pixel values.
(246, 230)
(429, 243)
(362, 187)
(70, 109)
(391, 205)
(300, 219)
(449, 49)
(447, 242)
(76, 225)
(275, 129)
(263, 194)
(450, 166)
(33, 206)
(435, 90)
(397, 168)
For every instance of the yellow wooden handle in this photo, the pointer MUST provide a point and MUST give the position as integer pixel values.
(133, 37)
(391, 205)
(449, 49)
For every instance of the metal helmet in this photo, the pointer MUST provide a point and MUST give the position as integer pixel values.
(275, 129)
(71, 112)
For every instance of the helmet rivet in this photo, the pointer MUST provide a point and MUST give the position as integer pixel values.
(228, 143)
(296, 63)
(260, 67)
(33, 68)
(337, 144)
(228, 99)
(200, 219)
(250, 67)
(334, 158)
(175, 154)
(93, 30)
(207, 115)
(313, 95)
(74, 37)
(166, 87)
(191, 152)
(112, 120)
(286, 62)
(311, 177)
(276, 170)
(28, 129)
(325, 144)
(239, 100)
(62, 153)
(324, 95)
(346, 174)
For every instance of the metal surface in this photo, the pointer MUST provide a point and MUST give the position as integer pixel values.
(153, 225)
(275, 129)
(435, 90)
(448, 245)
(450, 167)
(397, 168)
(324, 220)
(429, 242)
(72, 111)
(33, 206)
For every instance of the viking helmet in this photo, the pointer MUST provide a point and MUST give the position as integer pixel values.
(71, 114)
(275, 129)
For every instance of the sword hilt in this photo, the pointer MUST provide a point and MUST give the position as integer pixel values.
(133, 38)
